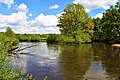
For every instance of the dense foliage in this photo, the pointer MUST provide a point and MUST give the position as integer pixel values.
(31, 37)
(107, 29)
(7, 42)
(52, 38)
(64, 39)
(9, 39)
(76, 23)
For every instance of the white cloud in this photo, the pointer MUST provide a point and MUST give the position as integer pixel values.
(14, 18)
(54, 6)
(99, 15)
(19, 23)
(22, 8)
(46, 20)
(44, 24)
(95, 4)
(30, 15)
(7, 2)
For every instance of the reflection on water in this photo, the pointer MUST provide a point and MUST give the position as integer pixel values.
(96, 61)
(110, 58)
(75, 61)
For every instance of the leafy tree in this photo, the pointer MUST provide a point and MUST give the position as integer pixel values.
(10, 40)
(98, 36)
(52, 38)
(9, 32)
(73, 20)
(6, 71)
(108, 28)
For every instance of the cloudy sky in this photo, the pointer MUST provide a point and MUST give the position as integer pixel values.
(41, 16)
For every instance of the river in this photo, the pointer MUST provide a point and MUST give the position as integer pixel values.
(95, 61)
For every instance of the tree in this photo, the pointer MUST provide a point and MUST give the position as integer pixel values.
(98, 36)
(6, 70)
(9, 32)
(75, 19)
(11, 40)
(118, 6)
(108, 28)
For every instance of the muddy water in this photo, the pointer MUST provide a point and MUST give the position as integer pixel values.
(96, 61)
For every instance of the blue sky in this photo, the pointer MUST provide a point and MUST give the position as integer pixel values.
(41, 16)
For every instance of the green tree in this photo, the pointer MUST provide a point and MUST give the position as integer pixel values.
(10, 40)
(75, 19)
(98, 36)
(118, 6)
(108, 28)
(6, 71)
(52, 38)
(9, 32)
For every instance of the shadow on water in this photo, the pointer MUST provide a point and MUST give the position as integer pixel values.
(96, 61)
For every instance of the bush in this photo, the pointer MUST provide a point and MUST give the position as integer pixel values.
(52, 38)
(6, 72)
(79, 38)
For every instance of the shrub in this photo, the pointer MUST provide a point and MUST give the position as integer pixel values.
(6, 72)
(52, 38)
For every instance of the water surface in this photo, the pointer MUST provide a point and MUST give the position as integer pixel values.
(96, 61)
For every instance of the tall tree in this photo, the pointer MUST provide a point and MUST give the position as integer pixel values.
(108, 27)
(74, 20)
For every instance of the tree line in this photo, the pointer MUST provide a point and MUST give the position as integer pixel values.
(32, 37)
(78, 27)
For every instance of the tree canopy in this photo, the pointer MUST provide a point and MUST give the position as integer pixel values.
(108, 28)
(9, 32)
(74, 21)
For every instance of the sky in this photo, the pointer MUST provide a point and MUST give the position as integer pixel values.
(41, 16)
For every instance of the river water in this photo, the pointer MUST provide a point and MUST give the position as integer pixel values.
(95, 61)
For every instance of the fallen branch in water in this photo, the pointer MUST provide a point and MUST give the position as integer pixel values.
(25, 48)
(13, 49)
(18, 49)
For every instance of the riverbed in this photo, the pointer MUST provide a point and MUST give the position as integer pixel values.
(95, 61)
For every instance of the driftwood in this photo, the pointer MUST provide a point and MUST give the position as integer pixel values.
(26, 47)
(18, 49)
(13, 49)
